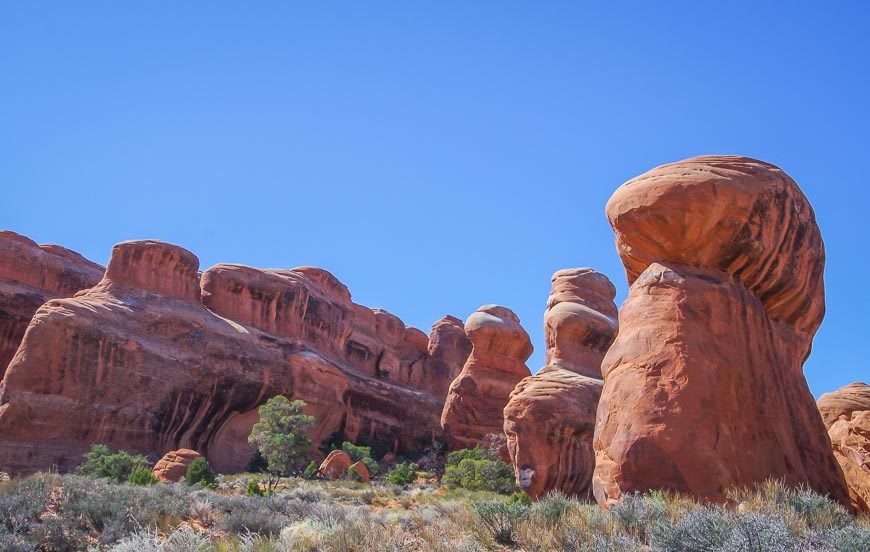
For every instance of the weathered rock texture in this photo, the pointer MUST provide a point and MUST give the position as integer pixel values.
(846, 413)
(335, 465)
(550, 417)
(173, 466)
(703, 387)
(139, 363)
(477, 397)
(30, 275)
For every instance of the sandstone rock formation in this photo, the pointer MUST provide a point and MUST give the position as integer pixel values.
(477, 397)
(173, 466)
(846, 413)
(362, 471)
(30, 275)
(550, 417)
(703, 387)
(335, 465)
(145, 361)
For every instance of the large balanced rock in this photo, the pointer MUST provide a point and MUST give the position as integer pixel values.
(30, 275)
(139, 363)
(550, 417)
(846, 413)
(173, 466)
(703, 387)
(477, 397)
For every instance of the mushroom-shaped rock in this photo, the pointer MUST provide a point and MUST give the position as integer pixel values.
(361, 471)
(30, 275)
(173, 466)
(847, 415)
(335, 465)
(550, 417)
(477, 397)
(703, 387)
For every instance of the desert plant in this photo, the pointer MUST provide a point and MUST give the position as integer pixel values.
(362, 454)
(403, 474)
(636, 514)
(696, 531)
(311, 470)
(281, 435)
(117, 466)
(520, 497)
(552, 507)
(200, 473)
(142, 476)
(500, 519)
(253, 488)
(478, 469)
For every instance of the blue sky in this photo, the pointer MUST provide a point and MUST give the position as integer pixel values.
(435, 156)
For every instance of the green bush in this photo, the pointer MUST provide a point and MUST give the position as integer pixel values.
(500, 518)
(142, 476)
(361, 454)
(253, 488)
(520, 497)
(311, 470)
(478, 469)
(282, 434)
(199, 472)
(117, 466)
(403, 474)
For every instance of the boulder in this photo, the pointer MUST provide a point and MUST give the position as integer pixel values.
(30, 275)
(361, 470)
(335, 465)
(846, 413)
(703, 387)
(173, 466)
(550, 417)
(477, 397)
(148, 361)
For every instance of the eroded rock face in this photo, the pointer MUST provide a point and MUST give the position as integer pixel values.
(550, 417)
(173, 466)
(846, 413)
(335, 465)
(139, 363)
(30, 275)
(477, 397)
(703, 387)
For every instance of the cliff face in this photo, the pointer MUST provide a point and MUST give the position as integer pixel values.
(30, 275)
(147, 361)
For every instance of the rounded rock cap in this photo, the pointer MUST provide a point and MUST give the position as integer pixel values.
(154, 266)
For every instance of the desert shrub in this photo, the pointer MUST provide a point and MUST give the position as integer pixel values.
(698, 530)
(182, 539)
(500, 519)
(307, 492)
(361, 454)
(478, 469)
(817, 511)
(141, 476)
(199, 472)
(257, 464)
(552, 507)
(311, 470)
(117, 466)
(520, 497)
(403, 474)
(761, 532)
(253, 488)
(636, 514)
(577, 541)
(244, 514)
(850, 538)
(22, 501)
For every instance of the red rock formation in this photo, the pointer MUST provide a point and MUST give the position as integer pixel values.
(30, 275)
(846, 413)
(361, 470)
(550, 417)
(335, 465)
(139, 363)
(173, 466)
(477, 397)
(703, 387)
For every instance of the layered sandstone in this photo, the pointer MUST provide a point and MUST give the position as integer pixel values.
(30, 275)
(703, 387)
(846, 413)
(477, 397)
(173, 466)
(550, 417)
(139, 363)
(335, 465)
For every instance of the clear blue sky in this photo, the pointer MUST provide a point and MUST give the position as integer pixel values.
(435, 156)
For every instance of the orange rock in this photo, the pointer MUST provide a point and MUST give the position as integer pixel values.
(173, 466)
(550, 417)
(703, 387)
(477, 397)
(362, 471)
(30, 275)
(139, 363)
(335, 465)
(846, 413)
